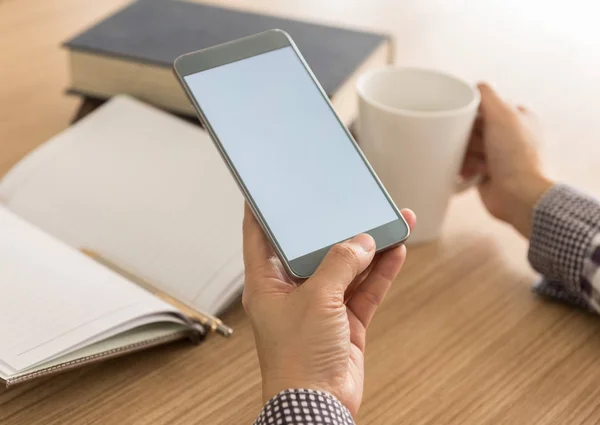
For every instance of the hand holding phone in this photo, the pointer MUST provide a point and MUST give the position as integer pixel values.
(314, 336)
(302, 174)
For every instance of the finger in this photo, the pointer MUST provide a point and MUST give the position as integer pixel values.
(476, 137)
(468, 168)
(476, 146)
(373, 290)
(482, 170)
(491, 102)
(478, 125)
(257, 250)
(341, 265)
(358, 333)
(472, 165)
(410, 217)
(476, 133)
(411, 220)
(475, 149)
(358, 280)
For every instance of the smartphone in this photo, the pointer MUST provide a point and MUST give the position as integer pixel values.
(301, 172)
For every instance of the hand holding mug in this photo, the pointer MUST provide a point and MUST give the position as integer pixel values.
(503, 150)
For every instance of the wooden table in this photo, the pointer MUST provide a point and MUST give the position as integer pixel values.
(460, 339)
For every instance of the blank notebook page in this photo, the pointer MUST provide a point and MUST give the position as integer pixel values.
(144, 189)
(53, 297)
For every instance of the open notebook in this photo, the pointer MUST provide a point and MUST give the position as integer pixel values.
(139, 190)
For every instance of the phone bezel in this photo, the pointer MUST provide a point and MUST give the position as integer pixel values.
(386, 236)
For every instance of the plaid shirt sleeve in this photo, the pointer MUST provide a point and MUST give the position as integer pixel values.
(565, 247)
(303, 407)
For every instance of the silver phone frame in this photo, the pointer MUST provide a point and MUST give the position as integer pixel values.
(243, 48)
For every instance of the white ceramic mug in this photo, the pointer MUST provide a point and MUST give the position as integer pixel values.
(414, 126)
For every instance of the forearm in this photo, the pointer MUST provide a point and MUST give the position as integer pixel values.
(565, 242)
(303, 406)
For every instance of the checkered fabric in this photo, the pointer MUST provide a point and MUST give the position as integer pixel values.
(565, 247)
(555, 291)
(304, 407)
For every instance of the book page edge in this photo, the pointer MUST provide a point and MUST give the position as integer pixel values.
(8, 382)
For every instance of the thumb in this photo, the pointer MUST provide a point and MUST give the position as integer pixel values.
(342, 264)
(491, 102)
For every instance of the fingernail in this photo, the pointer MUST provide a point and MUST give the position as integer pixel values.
(363, 242)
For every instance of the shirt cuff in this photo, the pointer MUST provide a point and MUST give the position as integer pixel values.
(302, 406)
(556, 291)
(564, 224)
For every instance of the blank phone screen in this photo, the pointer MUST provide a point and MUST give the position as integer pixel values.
(295, 159)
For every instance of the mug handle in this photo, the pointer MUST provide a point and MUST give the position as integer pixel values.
(461, 184)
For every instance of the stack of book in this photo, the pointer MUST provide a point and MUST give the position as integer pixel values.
(123, 232)
(132, 51)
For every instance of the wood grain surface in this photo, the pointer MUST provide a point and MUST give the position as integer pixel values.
(460, 339)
